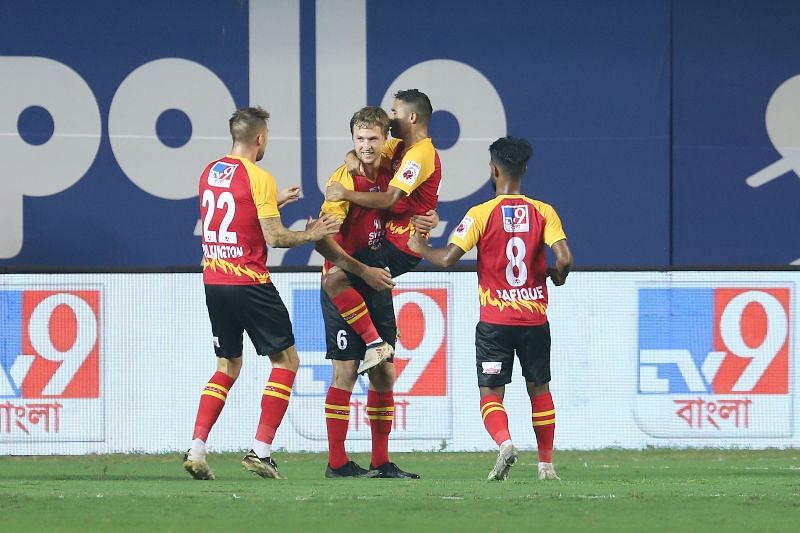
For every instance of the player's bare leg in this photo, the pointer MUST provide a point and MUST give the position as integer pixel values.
(212, 400)
(354, 311)
(544, 420)
(496, 422)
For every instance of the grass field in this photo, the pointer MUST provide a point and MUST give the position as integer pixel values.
(613, 490)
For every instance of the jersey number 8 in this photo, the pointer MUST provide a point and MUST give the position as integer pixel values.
(515, 252)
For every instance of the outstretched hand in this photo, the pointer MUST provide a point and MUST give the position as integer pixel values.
(289, 195)
(322, 227)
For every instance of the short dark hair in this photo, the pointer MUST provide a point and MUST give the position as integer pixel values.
(369, 117)
(512, 154)
(419, 102)
(246, 123)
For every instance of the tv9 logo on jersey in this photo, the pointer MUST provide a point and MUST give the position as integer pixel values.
(515, 218)
(715, 361)
(50, 355)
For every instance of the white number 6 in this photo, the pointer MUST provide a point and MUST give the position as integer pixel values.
(341, 339)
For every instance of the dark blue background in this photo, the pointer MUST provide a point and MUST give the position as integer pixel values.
(646, 118)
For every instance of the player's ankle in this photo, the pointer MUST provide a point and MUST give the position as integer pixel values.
(197, 452)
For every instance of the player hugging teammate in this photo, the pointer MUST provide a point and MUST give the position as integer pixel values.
(373, 226)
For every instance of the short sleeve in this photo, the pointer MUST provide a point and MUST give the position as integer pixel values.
(341, 208)
(417, 166)
(265, 192)
(469, 230)
(553, 231)
(389, 147)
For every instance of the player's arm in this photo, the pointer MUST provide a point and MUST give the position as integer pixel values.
(563, 266)
(278, 236)
(441, 257)
(377, 278)
(372, 200)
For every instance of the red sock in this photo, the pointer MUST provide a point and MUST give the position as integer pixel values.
(354, 311)
(274, 402)
(495, 418)
(212, 400)
(380, 411)
(544, 425)
(337, 419)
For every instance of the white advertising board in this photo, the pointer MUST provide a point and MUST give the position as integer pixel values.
(102, 363)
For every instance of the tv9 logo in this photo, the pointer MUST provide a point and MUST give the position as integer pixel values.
(50, 344)
(515, 218)
(421, 358)
(714, 340)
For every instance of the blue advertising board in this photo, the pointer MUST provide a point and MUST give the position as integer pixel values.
(644, 132)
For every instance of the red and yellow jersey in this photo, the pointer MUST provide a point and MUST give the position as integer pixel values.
(234, 195)
(511, 232)
(361, 226)
(418, 173)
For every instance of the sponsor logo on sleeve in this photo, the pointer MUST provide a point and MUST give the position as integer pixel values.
(463, 227)
(410, 173)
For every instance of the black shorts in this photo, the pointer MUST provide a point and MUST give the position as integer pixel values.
(344, 344)
(397, 261)
(256, 309)
(495, 346)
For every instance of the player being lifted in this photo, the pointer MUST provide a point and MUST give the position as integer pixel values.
(239, 210)
(360, 234)
(511, 232)
(413, 193)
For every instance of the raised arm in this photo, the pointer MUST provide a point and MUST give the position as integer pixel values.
(277, 236)
(563, 266)
(377, 278)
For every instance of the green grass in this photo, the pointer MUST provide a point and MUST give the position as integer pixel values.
(611, 490)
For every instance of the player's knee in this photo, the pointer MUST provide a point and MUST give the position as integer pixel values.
(287, 359)
(344, 375)
(382, 377)
(536, 390)
(344, 381)
(230, 367)
(335, 283)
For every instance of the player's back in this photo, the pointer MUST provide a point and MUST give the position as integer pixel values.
(511, 233)
(234, 250)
